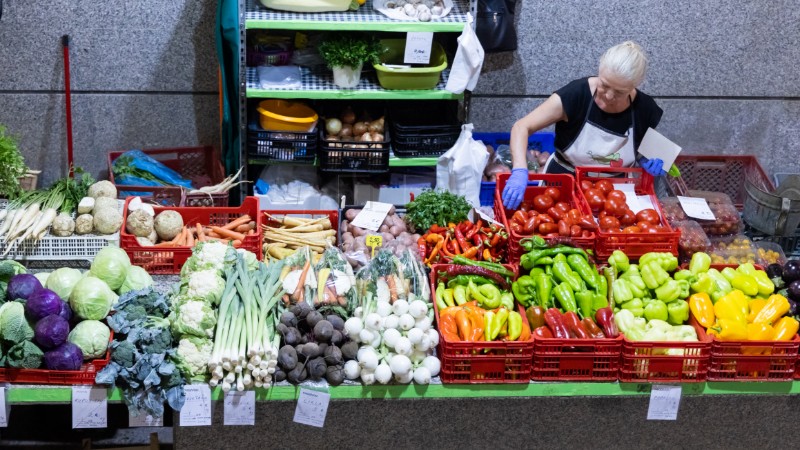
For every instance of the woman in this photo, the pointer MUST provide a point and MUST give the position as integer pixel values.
(600, 121)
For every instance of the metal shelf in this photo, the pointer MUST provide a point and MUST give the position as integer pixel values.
(318, 84)
(365, 19)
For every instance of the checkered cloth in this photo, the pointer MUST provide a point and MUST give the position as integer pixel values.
(366, 13)
(321, 79)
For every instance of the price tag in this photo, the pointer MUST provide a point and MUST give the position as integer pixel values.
(240, 408)
(372, 216)
(664, 402)
(89, 407)
(655, 145)
(5, 408)
(196, 411)
(145, 420)
(312, 407)
(631, 199)
(418, 47)
(374, 240)
(696, 208)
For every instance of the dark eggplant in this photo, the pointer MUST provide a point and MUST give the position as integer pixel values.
(792, 307)
(794, 290)
(791, 271)
(774, 270)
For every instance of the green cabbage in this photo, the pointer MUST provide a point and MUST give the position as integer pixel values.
(42, 277)
(14, 328)
(111, 265)
(137, 278)
(61, 281)
(91, 299)
(91, 336)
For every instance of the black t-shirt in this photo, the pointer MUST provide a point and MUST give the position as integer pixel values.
(575, 98)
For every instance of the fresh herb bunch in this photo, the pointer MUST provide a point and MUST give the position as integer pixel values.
(12, 165)
(350, 49)
(436, 207)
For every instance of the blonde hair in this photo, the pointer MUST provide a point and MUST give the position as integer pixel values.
(626, 60)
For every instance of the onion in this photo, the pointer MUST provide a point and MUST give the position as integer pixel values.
(348, 116)
(375, 126)
(366, 137)
(347, 130)
(333, 126)
(360, 128)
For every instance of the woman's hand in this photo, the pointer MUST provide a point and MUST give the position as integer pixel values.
(654, 167)
(514, 191)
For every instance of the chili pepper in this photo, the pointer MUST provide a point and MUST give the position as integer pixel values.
(535, 315)
(730, 307)
(621, 292)
(465, 279)
(555, 322)
(610, 274)
(730, 330)
(514, 325)
(656, 309)
(543, 332)
(524, 290)
(777, 305)
(422, 247)
(454, 270)
(461, 240)
(594, 331)
(545, 261)
(765, 285)
(536, 242)
(435, 228)
(507, 300)
(494, 267)
(475, 314)
(474, 229)
(565, 297)
(619, 260)
(684, 284)
(470, 253)
(435, 250)
(488, 295)
(678, 312)
(477, 239)
(448, 328)
(585, 300)
(684, 275)
(464, 325)
(635, 306)
(564, 274)
(527, 261)
(581, 266)
(449, 299)
(440, 296)
(702, 309)
(487, 256)
(700, 263)
(574, 324)
(599, 301)
(669, 291)
(653, 275)
(495, 240)
(667, 261)
(498, 321)
(544, 289)
(602, 287)
(525, 334)
(605, 318)
(744, 283)
(535, 271)
(759, 332)
(755, 306)
(460, 294)
(704, 283)
(785, 329)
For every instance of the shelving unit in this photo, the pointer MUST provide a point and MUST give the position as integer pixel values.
(318, 85)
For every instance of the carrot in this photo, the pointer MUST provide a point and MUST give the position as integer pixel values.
(243, 228)
(165, 244)
(210, 233)
(200, 235)
(228, 233)
(235, 223)
(301, 282)
(237, 243)
(182, 237)
(189, 238)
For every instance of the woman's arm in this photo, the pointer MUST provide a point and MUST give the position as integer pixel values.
(546, 114)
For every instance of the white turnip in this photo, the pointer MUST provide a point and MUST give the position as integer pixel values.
(406, 322)
(383, 374)
(400, 365)
(433, 365)
(422, 375)
(418, 309)
(400, 307)
(415, 335)
(403, 346)
(390, 337)
(352, 369)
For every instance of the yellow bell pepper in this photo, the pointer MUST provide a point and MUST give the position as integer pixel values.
(755, 306)
(702, 308)
(732, 306)
(785, 329)
(731, 330)
(759, 332)
(776, 307)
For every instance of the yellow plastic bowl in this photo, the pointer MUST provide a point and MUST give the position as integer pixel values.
(284, 115)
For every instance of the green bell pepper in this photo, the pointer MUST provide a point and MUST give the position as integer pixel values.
(464, 280)
(564, 274)
(747, 269)
(619, 260)
(585, 300)
(524, 290)
(678, 312)
(729, 273)
(635, 285)
(654, 275)
(621, 291)
(566, 298)
(634, 277)
(667, 261)
(544, 290)
(684, 284)
(700, 263)
(588, 273)
(744, 283)
(684, 275)
(655, 309)
(507, 300)
(635, 306)
(599, 301)
(669, 291)
(628, 325)
(487, 295)
(703, 283)
(460, 294)
(528, 260)
(544, 261)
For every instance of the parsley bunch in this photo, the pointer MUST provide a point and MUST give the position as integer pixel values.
(350, 49)
(436, 207)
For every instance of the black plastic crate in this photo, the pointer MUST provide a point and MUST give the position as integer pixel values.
(412, 145)
(424, 130)
(789, 244)
(281, 145)
(354, 157)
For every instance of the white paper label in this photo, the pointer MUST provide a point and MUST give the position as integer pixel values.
(655, 145)
(372, 216)
(645, 202)
(477, 213)
(89, 407)
(196, 411)
(240, 408)
(631, 199)
(312, 407)
(145, 420)
(418, 47)
(4, 408)
(696, 208)
(664, 402)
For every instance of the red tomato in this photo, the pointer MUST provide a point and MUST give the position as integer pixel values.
(546, 228)
(644, 226)
(614, 207)
(627, 218)
(524, 206)
(603, 214)
(648, 215)
(586, 184)
(542, 203)
(545, 218)
(555, 213)
(553, 192)
(609, 223)
(574, 215)
(595, 198)
(616, 194)
(604, 185)
(632, 229)
(575, 231)
(563, 206)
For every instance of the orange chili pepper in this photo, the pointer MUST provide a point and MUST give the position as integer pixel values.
(487, 255)
(470, 252)
(448, 328)
(464, 325)
(435, 250)
(449, 311)
(525, 334)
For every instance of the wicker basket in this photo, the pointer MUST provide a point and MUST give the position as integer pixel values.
(29, 181)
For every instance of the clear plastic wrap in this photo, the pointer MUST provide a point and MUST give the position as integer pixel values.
(393, 231)
(336, 283)
(736, 249)
(693, 238)
(389, 278)
(727, 219)
(769, 253)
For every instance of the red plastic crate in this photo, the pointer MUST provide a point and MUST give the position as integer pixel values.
(332, 215)
(169, 260)
(201, 165)
(633, 244)
(644, 362)
(483, 362)
(566, 183)
(576, 359)
(84, 375)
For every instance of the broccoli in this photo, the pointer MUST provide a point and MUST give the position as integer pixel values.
(124, 353)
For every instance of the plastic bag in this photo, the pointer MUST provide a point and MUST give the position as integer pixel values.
(301, 268)
(391, 278)
(134, 165)
(279, 77)
(460, 169)
(338, 282)
(468, 61)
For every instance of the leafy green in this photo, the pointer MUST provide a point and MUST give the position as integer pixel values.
(25, 355)
(134, 307)
(436, 207)
(14, 328)
(9, 268)
(13, 165)
(123, 165)
(350, 49)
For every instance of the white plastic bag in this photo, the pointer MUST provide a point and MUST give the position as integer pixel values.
(460, 169)
(468, 61)
(279, 77)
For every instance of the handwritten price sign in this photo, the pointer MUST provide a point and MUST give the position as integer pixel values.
(418, 48)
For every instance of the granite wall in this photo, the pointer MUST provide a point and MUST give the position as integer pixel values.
(144, 72)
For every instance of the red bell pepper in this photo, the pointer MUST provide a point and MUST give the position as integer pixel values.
(543, 332)
(574, 324)
(605, 318)
(594, 331)
(555, 322)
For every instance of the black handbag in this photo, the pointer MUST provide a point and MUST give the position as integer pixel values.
(494, 25)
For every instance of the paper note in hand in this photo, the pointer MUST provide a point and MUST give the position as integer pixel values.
(655, 145)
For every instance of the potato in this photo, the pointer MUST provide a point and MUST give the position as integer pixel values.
(351, 214)
(384, 228)
(394, 230)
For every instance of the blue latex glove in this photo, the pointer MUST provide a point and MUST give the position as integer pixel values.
(654, 167)
(515, 188)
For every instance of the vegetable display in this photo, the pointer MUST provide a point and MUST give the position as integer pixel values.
(285, 234)
(466, 240)
(393, 231)
(551, 215)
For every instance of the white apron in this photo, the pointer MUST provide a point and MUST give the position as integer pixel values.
(595, 146)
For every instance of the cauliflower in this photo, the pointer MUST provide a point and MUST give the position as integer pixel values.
(206, 285)
(193, 356)
(209, 256)
(194, 318)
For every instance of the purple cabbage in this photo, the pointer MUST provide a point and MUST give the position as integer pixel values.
(41, 304)
(51, 331)
(66, 312)
(22, 286)
(66, 356)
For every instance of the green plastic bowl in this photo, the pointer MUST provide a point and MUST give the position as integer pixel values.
(426, 77)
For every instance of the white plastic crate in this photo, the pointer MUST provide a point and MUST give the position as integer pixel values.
(54, 248)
